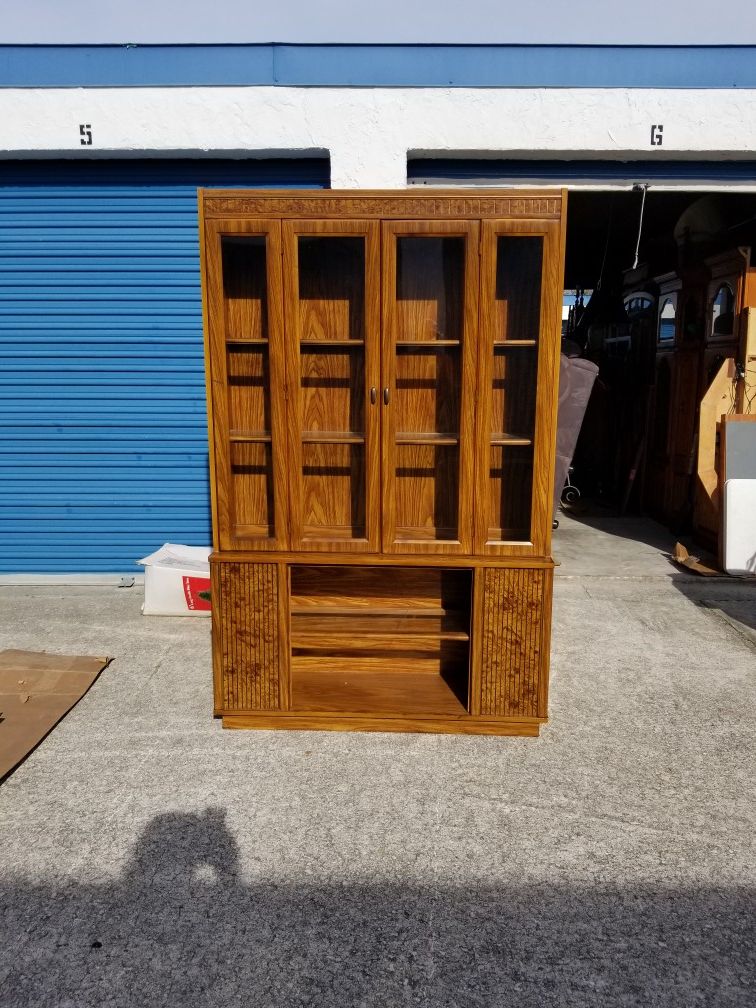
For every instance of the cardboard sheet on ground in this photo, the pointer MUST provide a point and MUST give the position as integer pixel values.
(36, 691)
(704, 564)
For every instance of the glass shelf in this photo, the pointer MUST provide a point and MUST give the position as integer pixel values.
(513, 343)
(427, 439)
(332, 437)
(249, 437)
(332, 343)
(426, 344)
(510, 439)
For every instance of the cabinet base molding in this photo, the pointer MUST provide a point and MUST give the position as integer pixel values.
(526, 727)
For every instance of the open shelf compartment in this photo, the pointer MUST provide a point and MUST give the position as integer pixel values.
(381, 640)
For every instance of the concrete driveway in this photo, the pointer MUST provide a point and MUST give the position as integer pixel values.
(149, 858)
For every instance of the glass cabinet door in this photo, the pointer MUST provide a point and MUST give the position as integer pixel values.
(247, 382)
(331, 284)
(430, 305)
(518, 379)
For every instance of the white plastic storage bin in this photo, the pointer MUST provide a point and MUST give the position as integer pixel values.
(177, 581)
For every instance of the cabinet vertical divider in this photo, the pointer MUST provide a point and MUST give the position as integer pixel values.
(388, 367)
(483, 379)
(476, 649)
(284, 631)
(278, 392)
(373, 378)
(547, 392)
(291, 359)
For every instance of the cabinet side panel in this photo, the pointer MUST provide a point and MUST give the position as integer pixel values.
(513, 642)
(246, 619)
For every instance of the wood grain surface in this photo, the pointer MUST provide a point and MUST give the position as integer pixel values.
(331, 295)
(245, 289)
(247, 393)
(332, 313)
(522, 263)
(345, 721)
(430, 293)
(418, 590)
(374, 691)
(246, 636)
(252, 476)
(514, 646)
(410, 561)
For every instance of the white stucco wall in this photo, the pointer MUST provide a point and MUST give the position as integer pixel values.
(368, 132)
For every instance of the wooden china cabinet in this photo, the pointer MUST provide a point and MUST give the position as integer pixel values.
(382, 384)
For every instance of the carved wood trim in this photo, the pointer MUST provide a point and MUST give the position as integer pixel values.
(408, 207)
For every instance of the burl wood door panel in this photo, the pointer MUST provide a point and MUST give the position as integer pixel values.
(250, 653)
(514, 622)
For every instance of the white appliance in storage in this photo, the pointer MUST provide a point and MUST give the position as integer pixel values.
(739, 527)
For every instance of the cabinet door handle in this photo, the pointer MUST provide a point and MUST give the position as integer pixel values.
(373, 395)
(386, 396)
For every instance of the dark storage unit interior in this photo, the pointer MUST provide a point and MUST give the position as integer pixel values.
(675, 340)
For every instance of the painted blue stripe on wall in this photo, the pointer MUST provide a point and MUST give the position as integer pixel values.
(103, 428)
(379, 66)
(437, 171)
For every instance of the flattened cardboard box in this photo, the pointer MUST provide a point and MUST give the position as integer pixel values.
(36, 691)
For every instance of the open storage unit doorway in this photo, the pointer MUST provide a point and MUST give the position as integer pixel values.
(660, 292)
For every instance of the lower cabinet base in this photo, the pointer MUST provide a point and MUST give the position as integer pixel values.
(529, 728)
(339, 646)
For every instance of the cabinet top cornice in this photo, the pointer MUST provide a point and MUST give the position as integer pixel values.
(400, 204)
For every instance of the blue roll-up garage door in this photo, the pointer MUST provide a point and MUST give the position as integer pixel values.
(102, 398)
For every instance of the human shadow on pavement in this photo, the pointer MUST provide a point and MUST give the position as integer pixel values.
(182, 927)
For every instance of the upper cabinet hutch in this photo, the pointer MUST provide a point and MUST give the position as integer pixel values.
(382, 385)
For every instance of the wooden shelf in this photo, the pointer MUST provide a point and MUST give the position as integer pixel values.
(332, 684)
(365, 641)
(332, 437)
(497, 440)
(427, 439)
(249, 437)
(363, 628)
(505, 344)
(240, 342)
(364, 610)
